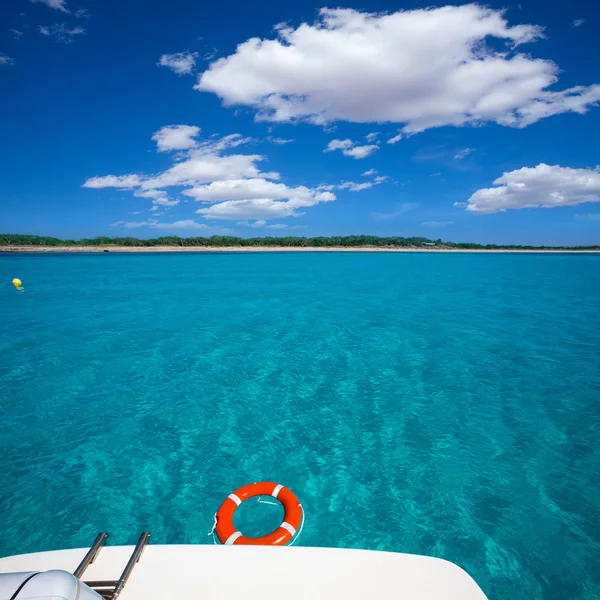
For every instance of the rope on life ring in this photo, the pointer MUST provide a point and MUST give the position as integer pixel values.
(286, 533)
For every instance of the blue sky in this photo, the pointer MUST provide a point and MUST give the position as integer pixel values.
(464, 122)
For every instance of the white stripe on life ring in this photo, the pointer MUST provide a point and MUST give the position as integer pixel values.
(276, 491)
(234, 536)
(235, 499)
(285, 525)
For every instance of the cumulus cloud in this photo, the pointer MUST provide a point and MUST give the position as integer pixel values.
(395, 139)
(371, 137)
(197, 168)
(152, 194)
(163, 201)
(278, 201)
(17, 34)
(532, 187)
(260, 208)
(350, 148)
(57, 4)
(59, 32)
(182, 63)
(361, 151)
(6, 60)
(370, 173)
(463, 153)
(247, 189)
(231, 183)
(421, 68)
(578, 22)
(200, 167)
(176, 137)
(123, 182)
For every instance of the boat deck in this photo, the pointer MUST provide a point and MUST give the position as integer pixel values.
(255, 572)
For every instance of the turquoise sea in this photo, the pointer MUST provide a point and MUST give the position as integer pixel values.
(442, 404)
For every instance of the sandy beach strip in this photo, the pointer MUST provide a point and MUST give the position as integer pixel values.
(76, 249)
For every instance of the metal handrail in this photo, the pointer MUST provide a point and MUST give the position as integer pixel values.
(101, 584)
(135, 557)
(91, 555)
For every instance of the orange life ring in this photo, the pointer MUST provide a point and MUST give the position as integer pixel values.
(292, 519)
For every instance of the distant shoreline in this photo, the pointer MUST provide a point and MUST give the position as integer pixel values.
(75, 249)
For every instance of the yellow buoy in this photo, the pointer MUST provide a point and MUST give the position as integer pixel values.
(17, 283)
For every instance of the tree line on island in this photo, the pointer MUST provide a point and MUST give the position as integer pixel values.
(348, 241)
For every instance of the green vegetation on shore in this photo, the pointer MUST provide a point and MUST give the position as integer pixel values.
(348, 241)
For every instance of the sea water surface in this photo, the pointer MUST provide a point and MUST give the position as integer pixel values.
(440, 404)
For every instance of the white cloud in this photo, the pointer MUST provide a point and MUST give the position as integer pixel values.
(182, 225)
(463, 153)
(339, 145)
(153, 194)
(165, 202)
(176, 137)
(400, 210)
(268, 207)
(371, 137)
(113, 181)
(260, 208)
(395, 139)
(350, 148)
(185, 224)
(361, 151)
(196, 169)
(82, 13)
(248, 189)
(158, 197)
(215, 145)
(279, 141)
(370, 173)
(57, 4)
(201, 168)
(59, 32)
(355, 187)
(578, 22)
(6, 60)
(421, 68)
(232, 183)
(542, 186)
(255, 224)
(263, 225)
(182, 63)
(358, 187)
(16, 33)
(438, 224)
